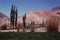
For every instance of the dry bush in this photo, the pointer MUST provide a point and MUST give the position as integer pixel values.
(4, 27)
(52, 24)
(32, 26)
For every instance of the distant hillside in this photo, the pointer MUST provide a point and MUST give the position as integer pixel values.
(2, 15)
(4, 19)
(39, 16)
(56, 8)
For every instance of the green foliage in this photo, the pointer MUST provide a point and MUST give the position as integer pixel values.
(13, 16)
(29, 36)
(4, 27)
(24, 22)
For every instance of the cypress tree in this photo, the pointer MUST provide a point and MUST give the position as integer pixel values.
(24, 24)
(13, 16)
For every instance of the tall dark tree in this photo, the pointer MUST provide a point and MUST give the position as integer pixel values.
(24, 24)
(13, 16)
(16, 18)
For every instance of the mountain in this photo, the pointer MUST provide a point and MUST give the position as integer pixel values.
(42, 15)
(2, 15)
(39, 16)
(36, 17)
(56, 8)
(4, 19)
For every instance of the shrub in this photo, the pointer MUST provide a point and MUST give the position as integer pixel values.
(52, 24)
(4, 27)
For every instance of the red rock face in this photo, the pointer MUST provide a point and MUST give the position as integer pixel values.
(40, 15)
(45, 13)
(33, 16)
(5, 20)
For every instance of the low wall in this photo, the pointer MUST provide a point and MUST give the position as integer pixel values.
(8, 30)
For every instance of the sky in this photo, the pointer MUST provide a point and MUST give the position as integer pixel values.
(27, 5)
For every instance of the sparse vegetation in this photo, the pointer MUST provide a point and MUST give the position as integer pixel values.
(32, 26)
(43, 24)
(4, 27)
(52, 24)
(29, 36)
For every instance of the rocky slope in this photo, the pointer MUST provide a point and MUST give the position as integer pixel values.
(39, 16)
(4, 19)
